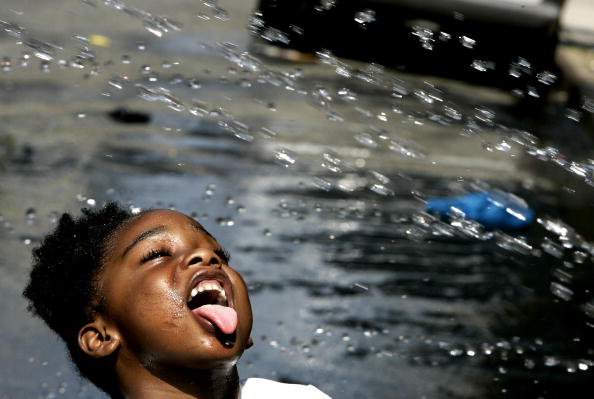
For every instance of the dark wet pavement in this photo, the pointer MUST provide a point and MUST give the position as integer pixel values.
(315, 183)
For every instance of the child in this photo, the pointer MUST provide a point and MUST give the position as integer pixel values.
(148, 306)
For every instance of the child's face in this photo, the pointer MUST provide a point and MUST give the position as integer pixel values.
(155, 264)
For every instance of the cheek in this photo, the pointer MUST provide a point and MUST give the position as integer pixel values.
(152, 310)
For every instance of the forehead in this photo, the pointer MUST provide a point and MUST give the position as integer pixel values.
(168, 219)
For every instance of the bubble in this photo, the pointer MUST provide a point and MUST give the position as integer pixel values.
(266, 233)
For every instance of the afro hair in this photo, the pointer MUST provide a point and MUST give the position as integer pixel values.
(62, 289)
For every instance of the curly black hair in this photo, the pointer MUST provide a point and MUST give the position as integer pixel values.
(62, 289)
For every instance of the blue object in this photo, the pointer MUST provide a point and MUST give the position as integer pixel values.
(491, 209)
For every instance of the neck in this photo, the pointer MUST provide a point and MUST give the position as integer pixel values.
(169, 383)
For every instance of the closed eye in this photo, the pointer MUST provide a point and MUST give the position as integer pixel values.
(223, 254)
(154, 254)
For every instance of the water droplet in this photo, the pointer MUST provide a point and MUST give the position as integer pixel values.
(365, 17)
(194, 84)
(579, 257)
(483, 65)
(322, 183)
(267, 133)
(284, 157)
(220, 14)
(365, 139)
(160, 95)
(347, 95)
(361, 286)
(561, 291)
(552, 248)
(54, 217)
(31, 214)
(444, 36)
(266, 233)
(381, 189)
(12, 29)
(424, 35)
(406, 149)
(6, 64)
(503, 146)
(274, 35)
(551, 361)
(456, 352)
(44, 66)
(514, 244)
(327, 4)
(546, 77)
(467, 42)
(334, 116)
(573, 114)
(226, 222)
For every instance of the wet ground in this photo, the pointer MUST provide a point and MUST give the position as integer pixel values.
(314, 176)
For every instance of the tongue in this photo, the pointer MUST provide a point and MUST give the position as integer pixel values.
(223, 317)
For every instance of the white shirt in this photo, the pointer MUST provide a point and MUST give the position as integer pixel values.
(260, 388)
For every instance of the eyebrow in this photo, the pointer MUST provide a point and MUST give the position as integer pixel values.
(198, 227)
(149, 233)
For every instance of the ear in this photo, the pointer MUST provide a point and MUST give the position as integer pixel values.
(97, 339)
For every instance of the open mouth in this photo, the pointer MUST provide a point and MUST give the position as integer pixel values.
(207, 292)
(208, 300)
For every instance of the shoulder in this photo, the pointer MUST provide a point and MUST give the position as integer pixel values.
(260, 388)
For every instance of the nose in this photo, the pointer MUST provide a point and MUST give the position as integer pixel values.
(202, 257)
